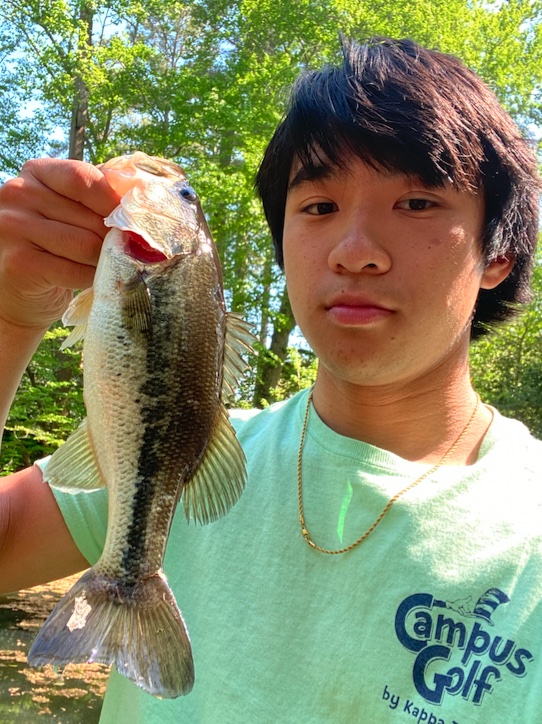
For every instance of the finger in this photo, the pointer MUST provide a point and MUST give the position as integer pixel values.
(21, 231)
(44, 294)
(30, 200)
(61, 272)
(81, 182)
(43, 271)
(28, 195)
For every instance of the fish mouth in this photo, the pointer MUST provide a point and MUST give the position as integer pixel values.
(138, 248)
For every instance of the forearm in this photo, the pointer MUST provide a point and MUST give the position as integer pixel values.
(17, 345)
(35, 543)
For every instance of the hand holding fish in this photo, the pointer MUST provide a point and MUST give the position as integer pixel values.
(51, 232)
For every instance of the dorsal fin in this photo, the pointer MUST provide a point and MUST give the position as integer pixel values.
(239, 340)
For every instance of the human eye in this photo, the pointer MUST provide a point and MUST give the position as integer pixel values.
(416, 204)
(320, 208)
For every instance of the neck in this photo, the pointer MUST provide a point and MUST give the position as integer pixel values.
(416, 422)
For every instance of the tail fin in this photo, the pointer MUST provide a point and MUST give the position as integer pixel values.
(139, 628)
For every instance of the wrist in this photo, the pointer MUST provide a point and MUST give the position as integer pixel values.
(30, 334)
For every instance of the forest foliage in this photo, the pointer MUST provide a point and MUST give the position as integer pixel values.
(205, 83)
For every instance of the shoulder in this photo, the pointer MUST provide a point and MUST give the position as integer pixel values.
(510, 444)
(248, 423)
(509, 430)
(270, 432)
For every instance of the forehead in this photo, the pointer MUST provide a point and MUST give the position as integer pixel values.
(316, 152)
(321, 169)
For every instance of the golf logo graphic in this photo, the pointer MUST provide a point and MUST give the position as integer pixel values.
(457, 648)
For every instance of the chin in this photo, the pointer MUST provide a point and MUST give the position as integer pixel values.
(366, 375)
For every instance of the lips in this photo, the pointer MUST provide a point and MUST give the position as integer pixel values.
(354, 310)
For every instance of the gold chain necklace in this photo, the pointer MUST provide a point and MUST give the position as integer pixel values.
(304, 531)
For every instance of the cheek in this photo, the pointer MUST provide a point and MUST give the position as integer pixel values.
(455, 257)
(290, 249)
(294, 264)
(462, 294)
(301, 260)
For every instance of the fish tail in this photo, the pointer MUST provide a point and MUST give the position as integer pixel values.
(138, 628)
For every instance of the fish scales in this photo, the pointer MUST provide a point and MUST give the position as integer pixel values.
(166, 391)
(160, 355)
(171, 444)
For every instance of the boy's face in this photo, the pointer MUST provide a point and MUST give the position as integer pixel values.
(383, 273)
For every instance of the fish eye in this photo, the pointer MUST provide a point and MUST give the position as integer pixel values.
(188, 193)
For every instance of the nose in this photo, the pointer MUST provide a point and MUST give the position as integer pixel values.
(360, 248)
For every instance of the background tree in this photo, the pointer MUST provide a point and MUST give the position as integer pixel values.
(507, 367)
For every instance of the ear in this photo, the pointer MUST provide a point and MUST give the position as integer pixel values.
(496, 272)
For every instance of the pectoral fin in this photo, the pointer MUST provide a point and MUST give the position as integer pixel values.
(73, 466)
(220, 479)
(136, 309)
(77, 314)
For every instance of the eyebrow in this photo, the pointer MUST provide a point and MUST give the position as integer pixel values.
(311, 173)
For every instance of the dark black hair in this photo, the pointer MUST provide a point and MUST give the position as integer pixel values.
(400, 107)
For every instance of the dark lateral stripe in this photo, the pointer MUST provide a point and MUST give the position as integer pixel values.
(155, 390)
(175, 428)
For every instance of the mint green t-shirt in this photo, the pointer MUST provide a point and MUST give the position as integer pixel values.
(436, 617)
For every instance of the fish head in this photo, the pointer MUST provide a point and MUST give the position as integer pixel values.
(159, 214)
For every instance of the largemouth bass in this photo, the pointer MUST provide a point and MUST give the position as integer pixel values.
(160, 356)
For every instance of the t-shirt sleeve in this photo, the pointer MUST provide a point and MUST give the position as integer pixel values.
(239, 417)
(85, 515)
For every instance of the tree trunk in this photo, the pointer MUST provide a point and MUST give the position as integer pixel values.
(81, 93)
(270, 362)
